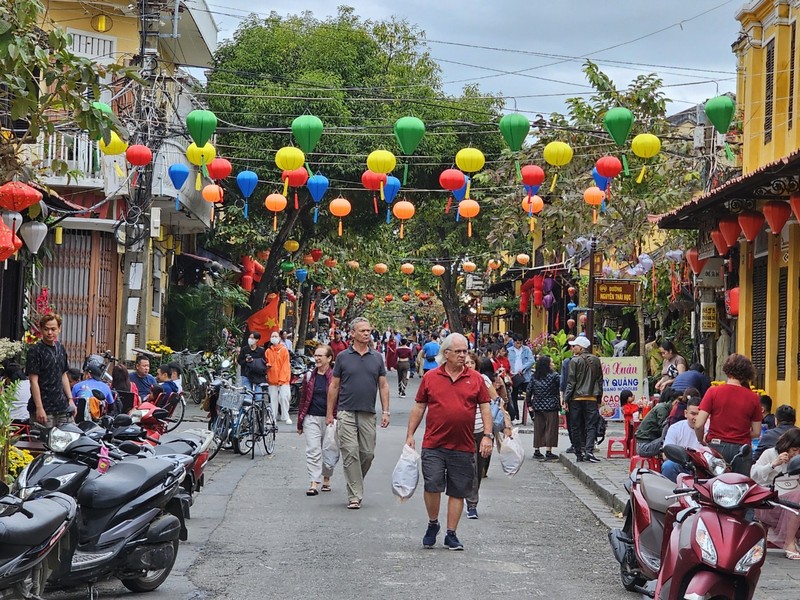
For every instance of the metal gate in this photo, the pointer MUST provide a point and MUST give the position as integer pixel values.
(82, 280)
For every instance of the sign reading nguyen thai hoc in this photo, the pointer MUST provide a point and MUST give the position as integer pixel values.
(620, 373)
(622, 292)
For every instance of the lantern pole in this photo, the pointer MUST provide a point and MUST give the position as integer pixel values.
(590, 297)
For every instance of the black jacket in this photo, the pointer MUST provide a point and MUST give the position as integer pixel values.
(247, 365)
(769, 438)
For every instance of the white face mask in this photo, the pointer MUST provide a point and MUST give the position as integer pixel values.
(251, 341)
(275, 339)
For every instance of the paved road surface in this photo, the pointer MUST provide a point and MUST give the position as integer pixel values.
(254, 534)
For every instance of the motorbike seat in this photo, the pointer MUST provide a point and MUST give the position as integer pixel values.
(174, 447)
(655, 489)
(18, 530)
(122, 482)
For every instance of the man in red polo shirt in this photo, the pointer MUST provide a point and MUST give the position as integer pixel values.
(450, 394)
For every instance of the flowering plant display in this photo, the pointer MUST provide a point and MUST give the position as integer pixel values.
(9, 348)
(156, 347)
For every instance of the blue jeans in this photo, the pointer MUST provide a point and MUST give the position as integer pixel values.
(258, 391)
(671, 470)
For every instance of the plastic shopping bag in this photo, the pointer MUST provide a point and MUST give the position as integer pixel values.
(406, 474)
(330, 446)
(512, 454)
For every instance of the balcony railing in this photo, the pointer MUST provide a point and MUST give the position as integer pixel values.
(76, 149)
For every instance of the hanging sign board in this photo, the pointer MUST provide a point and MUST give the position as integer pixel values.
(622, 292)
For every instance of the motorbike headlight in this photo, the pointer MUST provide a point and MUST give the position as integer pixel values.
(728, 495)
(136, 415)
(58, 440)
(753, 557)
(716, 465)
(703, 539)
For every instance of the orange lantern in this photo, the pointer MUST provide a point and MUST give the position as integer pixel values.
(369, 297)
(351, 294)
(594, 196)
(493, 264)
(438, 270)
(212, 193)
(405, 297)
(403, 210)
(308, 259)
(523, 259)
(423, 296)
(468, 209)
(334, 291)
(276, 203)
(407, 268)
(469, 266)
(353, 264)
(330, 262)
(388, 298)
(380, 268)
(340, 207)
(532, 205)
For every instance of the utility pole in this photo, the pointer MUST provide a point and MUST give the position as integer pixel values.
(593, 271)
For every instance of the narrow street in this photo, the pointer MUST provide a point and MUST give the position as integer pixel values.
(255, 534)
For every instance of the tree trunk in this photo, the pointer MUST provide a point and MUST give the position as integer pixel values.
(302, 318)
(450, 298)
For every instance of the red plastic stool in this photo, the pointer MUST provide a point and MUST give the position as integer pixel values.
(617, 448)
(562, 421)
(650, 462)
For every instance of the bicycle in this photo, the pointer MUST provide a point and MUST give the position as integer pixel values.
(190, 363)
(257, 423)
(229, 405)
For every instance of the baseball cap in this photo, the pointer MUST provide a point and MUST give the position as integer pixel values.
(581, 341)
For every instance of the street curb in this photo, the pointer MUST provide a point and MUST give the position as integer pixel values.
(607, 494)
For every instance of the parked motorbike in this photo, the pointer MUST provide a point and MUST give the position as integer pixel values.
(695, 541)
(32, 534)
(130, 519)
(300, 365)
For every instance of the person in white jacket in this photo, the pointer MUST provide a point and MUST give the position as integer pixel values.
(783, 525)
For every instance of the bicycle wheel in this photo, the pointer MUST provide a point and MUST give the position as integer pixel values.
(255, 427)
(194, 386)
(268, 428)
(244, 437)
(221, 430)
(176, 415)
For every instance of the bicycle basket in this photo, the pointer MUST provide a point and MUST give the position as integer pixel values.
(230, 400)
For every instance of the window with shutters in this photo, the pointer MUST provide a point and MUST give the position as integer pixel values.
(101, 49)
(783, 279)
(769, 86)
(758, 352)
(792, 52)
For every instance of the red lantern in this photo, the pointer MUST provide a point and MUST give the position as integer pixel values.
(570, 323)
(405, 297)
(608, 166)
(538, 298)
(423, 296)
(295, 178)
(777, 213)
(6, 242)
(334, 291)
(351, 295)
(719, 242)
(17, 196)
(452, 179)
(373, 181)
(751, 222)
(316, 254)
(571, 291)
(219, 168)
(369, 297)
(794, 202)
(247, 283)
(388, 298)
(730, 228)
(694, 261)
(732, 302)
(532, 175)
(138, 155)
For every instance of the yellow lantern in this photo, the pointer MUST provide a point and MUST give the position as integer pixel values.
(291, 245)
(200, 157)
(557, 154)
(523, 259)
(645, 145)
(470, 160)
(289, 158)
(382, 162)
(469, 266)
(116, 145)
(380, 268)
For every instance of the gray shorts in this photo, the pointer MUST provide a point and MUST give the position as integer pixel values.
(449, 471)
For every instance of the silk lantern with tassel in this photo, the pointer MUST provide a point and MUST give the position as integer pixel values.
(307, 131)
(719, 242)
(115, 146)
(295, 179)
(468, 209)
(751, 222)
(515, 128)
(276, 203)
(246, 182)
(390, 191)
(694, 260)
(201, 125)
(645, 146)
(403, 210)
(289, 158)
(382, 162)
(17, 196)
(409, 132)
(33, 234)
(374, 182)
(139, 156)
(200, 156)
(719, 111)
(451, 180)
(557, 154)
(317, 186)
(178, 174)
(340, 207)
(594, 196)
(618, 122)
(777, 213)
(470, 160)
(219, 168)
(532, 178)
(730, 228)
(532, 205)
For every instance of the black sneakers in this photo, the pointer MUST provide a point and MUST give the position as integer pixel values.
(451, 541)
(592, 458)
(538, 455)
(550, 456)
(429, 540)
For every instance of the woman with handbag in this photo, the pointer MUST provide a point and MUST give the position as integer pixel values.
(311, 418)
(545, 400)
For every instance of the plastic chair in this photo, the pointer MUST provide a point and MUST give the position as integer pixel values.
(617, 448)
(649, 462)
(562, 421)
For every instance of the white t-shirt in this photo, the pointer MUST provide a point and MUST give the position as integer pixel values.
(682, 435)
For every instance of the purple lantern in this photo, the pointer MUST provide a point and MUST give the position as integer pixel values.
(547, 285)
(548, 300)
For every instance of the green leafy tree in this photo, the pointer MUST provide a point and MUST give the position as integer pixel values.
(43, 85)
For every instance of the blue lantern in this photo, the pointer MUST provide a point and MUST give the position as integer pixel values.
(531, 190)
(460, 194)
(301, 274)
(599, 180)
(317, 186)
(390, 190)
(247, 182)
(178, 173)
(571, 306)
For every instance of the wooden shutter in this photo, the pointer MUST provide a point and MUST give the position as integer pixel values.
(769, 86)
(783, 279)
(758, 352)
(792, 52)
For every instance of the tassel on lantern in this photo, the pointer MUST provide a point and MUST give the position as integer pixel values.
(469, 185)
(316, 213)
(59, 235)
(401, 237)
(448, 205)
(388, 216)
(519, 171)
(383, 197)
(553, 183)
(729, 152)
(246, 211)
(119, 171)
(469, 228)
(375, 200)
(198, 182)
(625, 168)
(177, 203)
(405, 173)
(340, 228)
(285, 185)
(594, 215)
(275, 222)
(296, 204)
(640, 178)
(308, 169)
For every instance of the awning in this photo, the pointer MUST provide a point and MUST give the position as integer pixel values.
(206, 258)
(772, 181)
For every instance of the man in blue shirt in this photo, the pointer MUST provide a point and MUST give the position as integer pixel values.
(695, 377)
(429, 352)
(164, 378)
(93, 369)
(141, 377)
(520, 357)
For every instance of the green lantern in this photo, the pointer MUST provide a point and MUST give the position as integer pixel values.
(409, 132)
(287, 266)
(201, 125)
(102, 107)
(719, 111)
(307, 130)
(618, 123)
(515, 128)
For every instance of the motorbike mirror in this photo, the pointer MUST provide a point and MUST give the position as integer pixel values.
(3, 488)
(106, 421)
(123, 420)
(793, 468)
(226, 364)
(130, 448)
(161, 414)
(676, 454)
(51, 484)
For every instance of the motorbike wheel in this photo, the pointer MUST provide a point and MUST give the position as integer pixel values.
(632, 583)
(176, 417)
(294, 399)
(151, 579)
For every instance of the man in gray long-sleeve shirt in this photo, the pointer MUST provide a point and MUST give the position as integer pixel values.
(584, 390)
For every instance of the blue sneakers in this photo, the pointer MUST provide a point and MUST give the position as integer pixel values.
(451, 541)
(472, 512)
(429, 540)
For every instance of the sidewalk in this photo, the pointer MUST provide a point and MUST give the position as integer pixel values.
(780, 578)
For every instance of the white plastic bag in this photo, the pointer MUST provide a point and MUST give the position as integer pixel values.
(330, 446)
(512, 454)
(406, 474)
